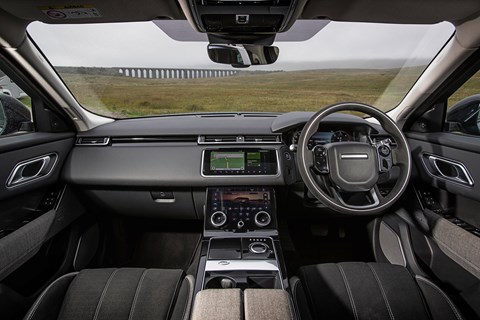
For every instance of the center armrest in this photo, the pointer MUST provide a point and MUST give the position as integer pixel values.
(256, 304)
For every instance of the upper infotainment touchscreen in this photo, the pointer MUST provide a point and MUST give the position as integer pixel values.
(224, 160)
(247, 161)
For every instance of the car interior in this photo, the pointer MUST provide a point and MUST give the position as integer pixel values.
(326, 198)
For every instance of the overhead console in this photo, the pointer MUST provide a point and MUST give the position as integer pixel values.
(242, 17)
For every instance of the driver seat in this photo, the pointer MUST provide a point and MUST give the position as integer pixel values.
(357, 290)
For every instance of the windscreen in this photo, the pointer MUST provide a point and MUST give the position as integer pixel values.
(124, 70)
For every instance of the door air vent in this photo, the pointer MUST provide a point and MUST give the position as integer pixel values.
(265, 139)
(92, 141)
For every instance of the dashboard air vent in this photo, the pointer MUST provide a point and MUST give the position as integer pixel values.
(262, 139)
(154, 139)
(92, 141)
(265, 139)
(218, 139)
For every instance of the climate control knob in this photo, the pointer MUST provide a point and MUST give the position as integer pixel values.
(262, 219)
(218, 219)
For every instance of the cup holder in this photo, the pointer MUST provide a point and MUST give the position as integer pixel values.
(221, 282)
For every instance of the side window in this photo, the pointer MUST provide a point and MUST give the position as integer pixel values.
(15, 108)
(463, 112)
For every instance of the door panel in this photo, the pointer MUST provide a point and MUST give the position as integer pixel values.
(444, 221)
(35, 207)
(450, 150)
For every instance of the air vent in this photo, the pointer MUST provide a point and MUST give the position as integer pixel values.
(271, 139)
(217, 139)
(262, 139)
(158, 139)
(92, 141)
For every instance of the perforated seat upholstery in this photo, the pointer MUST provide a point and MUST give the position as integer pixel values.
(360, 291)
(129, 293)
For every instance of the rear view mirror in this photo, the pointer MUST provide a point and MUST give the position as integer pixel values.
(242, 55)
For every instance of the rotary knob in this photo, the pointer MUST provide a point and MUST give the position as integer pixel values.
(218, 219)
(262, 219)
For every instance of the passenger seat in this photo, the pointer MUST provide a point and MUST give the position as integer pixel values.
(120, 294)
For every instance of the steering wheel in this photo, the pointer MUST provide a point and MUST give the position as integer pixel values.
(344, 175)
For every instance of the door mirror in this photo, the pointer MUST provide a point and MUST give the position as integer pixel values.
(242, 55)
(464, 116)
(14, 116)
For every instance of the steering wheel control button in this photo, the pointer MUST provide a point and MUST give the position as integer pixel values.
(258, 247)
(218, 219)
(262, 219)
(384, 151)
(320, 159)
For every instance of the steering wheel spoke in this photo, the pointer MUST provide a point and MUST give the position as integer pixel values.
(371, 199)
(320, 160)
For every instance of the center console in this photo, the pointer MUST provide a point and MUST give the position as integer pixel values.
(240, 210)
(240, 247)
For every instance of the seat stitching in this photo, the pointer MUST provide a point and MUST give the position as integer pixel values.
(137, 293)
(443, 294)
(97, 310)
(349, 292)
(39, 300)
(295, 295)
(384, 295)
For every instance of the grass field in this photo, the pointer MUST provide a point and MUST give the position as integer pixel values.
(267, 92)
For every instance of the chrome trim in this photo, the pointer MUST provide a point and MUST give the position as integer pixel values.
(218, 225)
(16, 179)
(354, 156)
(459, 167)
(279, 169)
(262, 224)
(256, 251)
(247, 265)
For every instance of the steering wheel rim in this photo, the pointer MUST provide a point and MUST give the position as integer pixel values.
(401, 157)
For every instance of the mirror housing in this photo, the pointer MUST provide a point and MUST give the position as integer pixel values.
(464, 116)
(14, 116)
(242, 55)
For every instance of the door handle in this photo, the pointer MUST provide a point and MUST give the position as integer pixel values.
(32, 170)
(447, 169)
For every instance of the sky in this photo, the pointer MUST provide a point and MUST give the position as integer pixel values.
(143, 44)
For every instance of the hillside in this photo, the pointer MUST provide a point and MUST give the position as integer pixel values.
(265, 92)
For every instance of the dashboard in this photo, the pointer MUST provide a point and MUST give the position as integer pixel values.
(164, 165)
(203, 150)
